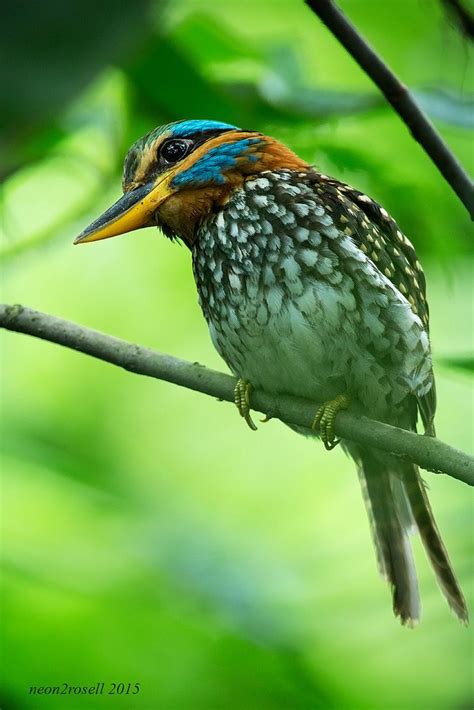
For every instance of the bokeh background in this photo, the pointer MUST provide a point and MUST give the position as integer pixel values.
(147, 535)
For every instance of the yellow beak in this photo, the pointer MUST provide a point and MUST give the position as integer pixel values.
(134, 210)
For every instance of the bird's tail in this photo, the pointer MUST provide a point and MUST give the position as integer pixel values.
(397, 504)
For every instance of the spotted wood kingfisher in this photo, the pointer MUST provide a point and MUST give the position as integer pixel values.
(309, 288)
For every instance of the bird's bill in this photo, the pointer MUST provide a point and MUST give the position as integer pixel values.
(134, 210)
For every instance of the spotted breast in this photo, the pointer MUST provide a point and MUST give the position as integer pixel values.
(294, 304)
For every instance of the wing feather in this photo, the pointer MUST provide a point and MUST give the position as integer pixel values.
(378, 235)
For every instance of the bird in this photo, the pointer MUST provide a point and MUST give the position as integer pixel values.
(310, 289)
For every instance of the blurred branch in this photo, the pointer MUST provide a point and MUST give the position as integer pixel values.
(461, 16)
(427, 452)
(399, 97)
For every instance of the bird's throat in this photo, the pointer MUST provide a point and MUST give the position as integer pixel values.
(183, 212)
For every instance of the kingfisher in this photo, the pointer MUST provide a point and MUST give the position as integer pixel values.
(309, 288)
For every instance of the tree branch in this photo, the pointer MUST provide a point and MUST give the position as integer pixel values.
(400, 98)
(427, 452)
(462, 16)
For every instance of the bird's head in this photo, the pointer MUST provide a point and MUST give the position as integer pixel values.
(177, 174)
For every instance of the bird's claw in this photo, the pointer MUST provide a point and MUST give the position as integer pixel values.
(323, 421)
(242, 401)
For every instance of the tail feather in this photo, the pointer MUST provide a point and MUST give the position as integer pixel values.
(390, 534)
(433, 542)
(397, 503)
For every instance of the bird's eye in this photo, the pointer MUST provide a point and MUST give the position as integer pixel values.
(174, 150)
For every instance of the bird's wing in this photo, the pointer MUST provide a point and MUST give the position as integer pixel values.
(375, 232)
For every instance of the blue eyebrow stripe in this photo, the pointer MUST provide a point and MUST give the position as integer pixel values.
(210, 167)
(188, 128)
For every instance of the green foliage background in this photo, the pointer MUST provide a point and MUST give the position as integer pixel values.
(147, 535)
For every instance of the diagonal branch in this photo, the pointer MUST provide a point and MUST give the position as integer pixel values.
(427, 452)
(462, 16)
(399, 97)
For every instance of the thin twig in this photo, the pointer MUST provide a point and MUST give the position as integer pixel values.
(427, 452)
(462, 16)
(399, 97)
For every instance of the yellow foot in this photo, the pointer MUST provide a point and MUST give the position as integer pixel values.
(324, 420)
(242, 401)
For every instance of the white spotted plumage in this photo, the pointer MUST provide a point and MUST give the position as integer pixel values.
(298, 307)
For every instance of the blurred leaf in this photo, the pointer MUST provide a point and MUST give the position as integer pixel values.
(283, 60)
(348, 158)
(313, 103)
(165, 100)
(466, 364)
(443, 105)
(167, 84)
(198, 32)
(54, 50)
(283, 88)
(60, 455)
(82, 160)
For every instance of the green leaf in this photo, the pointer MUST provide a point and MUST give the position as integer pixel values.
(443, 105)
(465, 363)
